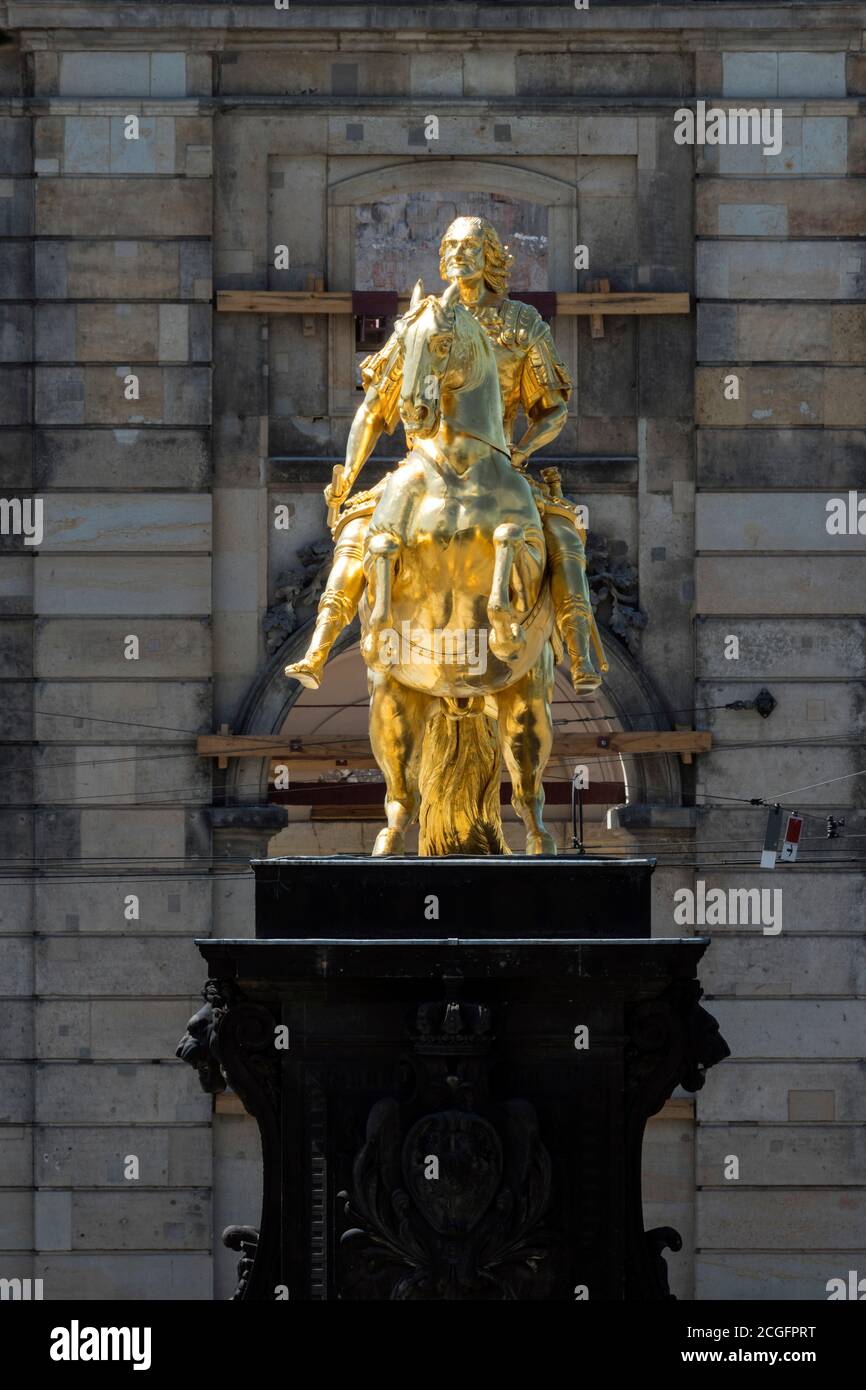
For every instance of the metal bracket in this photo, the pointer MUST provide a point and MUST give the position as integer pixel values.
(763, 702)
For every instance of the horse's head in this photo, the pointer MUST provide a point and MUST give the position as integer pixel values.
(440, 353)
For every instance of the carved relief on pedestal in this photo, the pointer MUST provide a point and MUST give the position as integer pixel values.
(450, 1190)
(458, 1186)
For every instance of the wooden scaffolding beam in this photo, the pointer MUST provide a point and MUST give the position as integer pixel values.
(340, 302)
(328, 754)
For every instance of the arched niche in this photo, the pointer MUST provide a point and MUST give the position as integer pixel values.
(433, 173)
(440, 174)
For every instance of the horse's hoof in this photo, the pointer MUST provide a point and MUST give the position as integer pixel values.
(510, 648)
(539, 842)
(305, 673)
(388, 842)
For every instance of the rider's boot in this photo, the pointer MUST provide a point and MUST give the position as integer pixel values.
(574, 621)
(570, 592)
(338, 604)
(335, 612)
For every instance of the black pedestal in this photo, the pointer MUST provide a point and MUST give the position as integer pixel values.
(452, 1116)
(522, 895)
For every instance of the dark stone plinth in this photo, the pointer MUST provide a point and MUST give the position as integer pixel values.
(456, 1118)
(516, 895)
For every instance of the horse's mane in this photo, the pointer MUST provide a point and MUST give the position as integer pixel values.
(467, 330)
(469, 335)
(406, 320)
(472, 355)
(472, 339)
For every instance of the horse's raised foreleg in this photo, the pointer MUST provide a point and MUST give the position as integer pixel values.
(526, 735)
(506, 634)
(382, 552)
(398, 716)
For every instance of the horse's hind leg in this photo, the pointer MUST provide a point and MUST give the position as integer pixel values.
(526, 735)
(397, 719)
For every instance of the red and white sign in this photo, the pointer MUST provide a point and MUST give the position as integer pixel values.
(792, 838)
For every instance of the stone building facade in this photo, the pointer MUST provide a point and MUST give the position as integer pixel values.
(306, 127)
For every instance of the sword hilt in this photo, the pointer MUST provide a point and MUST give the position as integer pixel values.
(335, 504)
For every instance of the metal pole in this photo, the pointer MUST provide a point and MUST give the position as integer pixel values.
(576, 814)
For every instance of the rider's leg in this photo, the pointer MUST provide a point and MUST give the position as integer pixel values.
(526, 735)
(338, 604)
(570, 592)
(398, 717)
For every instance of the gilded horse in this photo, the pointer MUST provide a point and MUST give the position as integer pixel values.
(457, 616)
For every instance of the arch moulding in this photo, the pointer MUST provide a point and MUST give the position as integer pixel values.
(440, 174)
(632, 699)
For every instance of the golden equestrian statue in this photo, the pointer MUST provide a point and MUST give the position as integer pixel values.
(469, 577)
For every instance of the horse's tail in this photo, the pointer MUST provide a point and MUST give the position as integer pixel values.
(459, 783)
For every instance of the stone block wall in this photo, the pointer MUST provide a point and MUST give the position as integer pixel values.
(109, 274)
(780, 271)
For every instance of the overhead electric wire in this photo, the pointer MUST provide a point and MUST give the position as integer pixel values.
(215, 876)
(202, 861)
(358, 704)
(861, 772)
(659, 849)
(602, 758)
(195, 793)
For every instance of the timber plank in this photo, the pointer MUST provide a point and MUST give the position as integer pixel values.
(340, 302)
(355, 752)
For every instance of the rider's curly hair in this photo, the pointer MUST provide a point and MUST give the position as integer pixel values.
(498, 260)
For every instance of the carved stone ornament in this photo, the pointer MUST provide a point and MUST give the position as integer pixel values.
(613, 588)
(296, 593)
(672, 1041)
(459, 1149)
(198, 1044)
(231, 1040)
(450, 1205)
(244, 1239)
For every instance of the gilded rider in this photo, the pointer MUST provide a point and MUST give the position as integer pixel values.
(533, 376)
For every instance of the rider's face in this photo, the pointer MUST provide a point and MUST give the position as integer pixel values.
(463, 253)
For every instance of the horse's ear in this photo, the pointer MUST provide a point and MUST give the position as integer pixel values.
(417, 294)
(450, 295)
